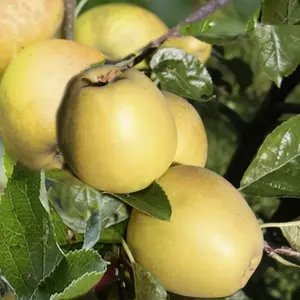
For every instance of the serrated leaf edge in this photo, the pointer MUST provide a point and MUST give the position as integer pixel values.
(64, 256)
(53, 297)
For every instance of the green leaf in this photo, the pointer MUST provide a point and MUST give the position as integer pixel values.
(82, 208)
(8, 163)
(114, 234)
(278, 49)
(292, 234)
(225, 24)
(108, 210)
(275, 171)
(68, 196)
(64, 235)
(147, 286)
(152, 201)
(182, 74)
(6, 167)
(246, 50)
(93, 230)
(281, 12)
(27, 245)
(76, 274)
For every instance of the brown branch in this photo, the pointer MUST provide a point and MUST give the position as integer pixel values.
(204, 11)
(69, 19)
(280, 251)
(288, 108)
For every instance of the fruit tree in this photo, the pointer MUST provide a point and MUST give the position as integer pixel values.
(150, 150)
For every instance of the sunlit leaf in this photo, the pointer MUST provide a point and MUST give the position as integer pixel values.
(76, 274)
(275, 171)
(278, 49)
(226, 23)
(27, 244)
(292, 234)
(182, 74)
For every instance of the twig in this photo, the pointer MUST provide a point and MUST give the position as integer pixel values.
(280, 251)
(236, 120)
(288, 108)
(204, 11)
(69, 19)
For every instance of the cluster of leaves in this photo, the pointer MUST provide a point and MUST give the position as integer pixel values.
(56, 232)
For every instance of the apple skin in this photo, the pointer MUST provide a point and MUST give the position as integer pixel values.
(191, 45)
(192, 142)
(211, 246)
(118, 29)
(117, 137)
(24, 22)
(31, 90)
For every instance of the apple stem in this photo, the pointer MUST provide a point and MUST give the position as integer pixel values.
(128, 252)
(69, 19)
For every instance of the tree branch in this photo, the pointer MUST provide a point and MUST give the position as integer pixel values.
(288, 108)
(255, 131)
(69, 19)
(236, 120)
(204, 11)
(280, 251)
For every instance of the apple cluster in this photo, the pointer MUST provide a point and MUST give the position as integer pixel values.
(118, 132)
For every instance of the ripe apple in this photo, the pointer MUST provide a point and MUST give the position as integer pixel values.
(212, 244)
(116, 130)
(23, 22)
(31, 90)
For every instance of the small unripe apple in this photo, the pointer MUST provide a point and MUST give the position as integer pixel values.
(191, 45)
(23, 22)
(118, 29)
(116, 130)
(191, 134)
(30, 92)
(213, 242)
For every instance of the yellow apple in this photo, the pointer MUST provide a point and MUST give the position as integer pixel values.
(118, 29)
(23, 22)
(192, 139)
(191, 45)
(116, 136)
(213, 242)
(31, 90)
